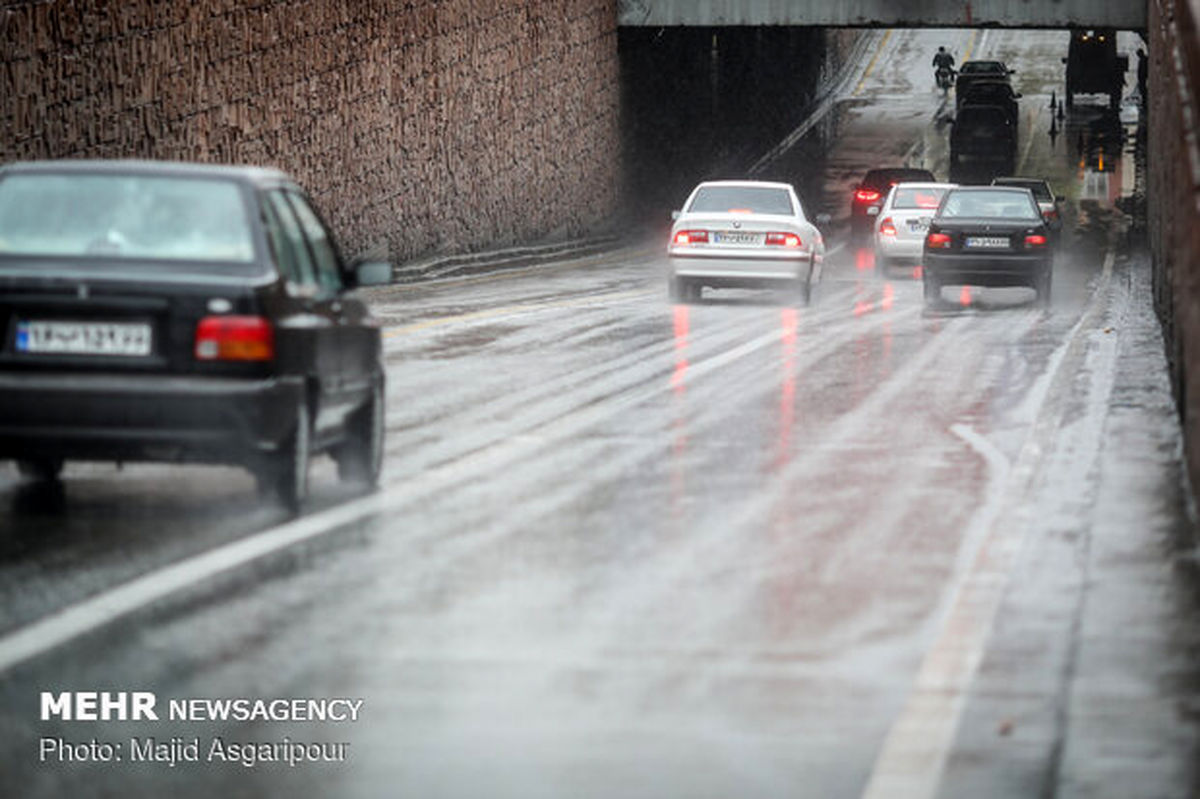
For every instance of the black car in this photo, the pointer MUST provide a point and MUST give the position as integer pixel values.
(183, 313)
(983, 133)
(988, 236)
(971, 71)
(991, 92)
(870, 193)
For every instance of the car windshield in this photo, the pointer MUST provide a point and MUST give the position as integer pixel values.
(124, 216)
(1001, 204)
(917, 197)
(742, 199)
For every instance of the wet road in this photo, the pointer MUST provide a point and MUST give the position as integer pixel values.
(627, 548)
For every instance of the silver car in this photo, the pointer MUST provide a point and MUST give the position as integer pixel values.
(902, 222)
(743, 234)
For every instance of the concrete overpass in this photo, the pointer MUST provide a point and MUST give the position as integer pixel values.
(1122, 14)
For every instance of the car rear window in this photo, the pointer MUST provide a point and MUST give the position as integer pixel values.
(885, 178)
(982, 68)
(1040, 190)
(917, 197)
(992, 204)
(742, 199)
(141, 217)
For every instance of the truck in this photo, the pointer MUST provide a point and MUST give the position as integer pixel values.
(1094, 66)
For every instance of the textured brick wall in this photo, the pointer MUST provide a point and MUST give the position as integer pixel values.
(428, 125)
(1173, 175)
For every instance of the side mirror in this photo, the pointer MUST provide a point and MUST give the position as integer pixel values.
(675, 215)
(1064, 59)
(372, 273)
(1012, 72)
(1017, 96)
(823, 219)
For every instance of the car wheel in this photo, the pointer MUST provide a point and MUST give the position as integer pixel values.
(360, 457)
(285, 476)
(1042, 287)
(933, 291)
(43, 470)
(804, 289)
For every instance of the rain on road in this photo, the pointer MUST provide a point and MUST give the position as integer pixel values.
(628, 548)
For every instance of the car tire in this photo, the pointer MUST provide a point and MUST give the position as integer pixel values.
(1042, 287)
(43, 470)
(285, 476)
(933, 291)
(360, 457)
(804, 289)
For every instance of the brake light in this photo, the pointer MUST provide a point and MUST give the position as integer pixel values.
(866, 195)
(783, 239)
(691, 237)
(1035, 240)
(1050, 214)
(887, 227)
(938, 241)
(234, 338)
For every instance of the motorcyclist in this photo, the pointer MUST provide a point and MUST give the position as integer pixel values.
(943, 67)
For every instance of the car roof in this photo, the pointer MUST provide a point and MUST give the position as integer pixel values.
(251, 174)
(923, 184)
(888, 174)
(762, 184)
(981, 66)
(1013, 180)
(977, 189)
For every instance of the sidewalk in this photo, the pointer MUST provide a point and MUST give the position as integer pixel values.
(1090, 684)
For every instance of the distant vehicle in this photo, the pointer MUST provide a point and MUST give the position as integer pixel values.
(983, 133)
(903, 221)
(743, 234)
(869, 194)
(182, 313)
(1094, 66)
(1048, 202)
(991, 92)
(988, 236)
(971, 71)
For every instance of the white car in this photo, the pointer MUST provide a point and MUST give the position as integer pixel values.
(743, 234)
(903, 221)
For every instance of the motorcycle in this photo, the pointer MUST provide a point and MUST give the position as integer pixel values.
(944, 77)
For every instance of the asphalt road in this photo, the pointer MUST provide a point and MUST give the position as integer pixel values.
(744, 548)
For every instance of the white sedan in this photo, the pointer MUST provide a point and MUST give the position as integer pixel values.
(903, 220)
(743, 234)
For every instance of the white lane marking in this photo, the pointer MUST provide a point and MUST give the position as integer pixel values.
(911, 763)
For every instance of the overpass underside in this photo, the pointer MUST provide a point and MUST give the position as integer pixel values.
(1122, 14)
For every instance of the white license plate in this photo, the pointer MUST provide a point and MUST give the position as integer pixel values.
(918, 225)
(130, 339)
(987, 242)
(737, 237)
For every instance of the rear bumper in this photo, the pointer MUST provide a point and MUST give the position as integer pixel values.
(141, 417)
(896, 248)
(986, 270)
(741, 272)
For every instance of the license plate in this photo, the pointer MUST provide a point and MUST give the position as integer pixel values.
(737, 237)
(918, 225)
(987, 242)
(130, 339)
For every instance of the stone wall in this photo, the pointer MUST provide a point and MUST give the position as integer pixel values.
(419, 125)
(1173, 199)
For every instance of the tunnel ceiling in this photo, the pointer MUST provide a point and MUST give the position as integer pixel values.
(1123, 14)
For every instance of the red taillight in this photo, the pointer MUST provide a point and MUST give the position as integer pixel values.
(691, 237)
(887, 227)
(866, 195)
(783, 239)
(1050, 214)
(1035, 240)
(234, 338)
(938, 241)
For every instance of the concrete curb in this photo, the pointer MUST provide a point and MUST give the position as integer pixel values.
(444, 266)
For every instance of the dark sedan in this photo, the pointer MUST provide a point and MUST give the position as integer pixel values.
(988, 236)
(182, 313)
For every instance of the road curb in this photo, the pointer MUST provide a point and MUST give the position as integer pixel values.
(458, 265)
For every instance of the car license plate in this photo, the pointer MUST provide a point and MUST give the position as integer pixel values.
(131, 339)
(737, 237)
(918, 225)
(987, 242)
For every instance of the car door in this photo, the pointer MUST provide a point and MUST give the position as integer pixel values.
(308, 328)
(358, 335)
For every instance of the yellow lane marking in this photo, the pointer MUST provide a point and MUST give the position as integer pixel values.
(508, 310)
(882, 43)
(970, 45)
